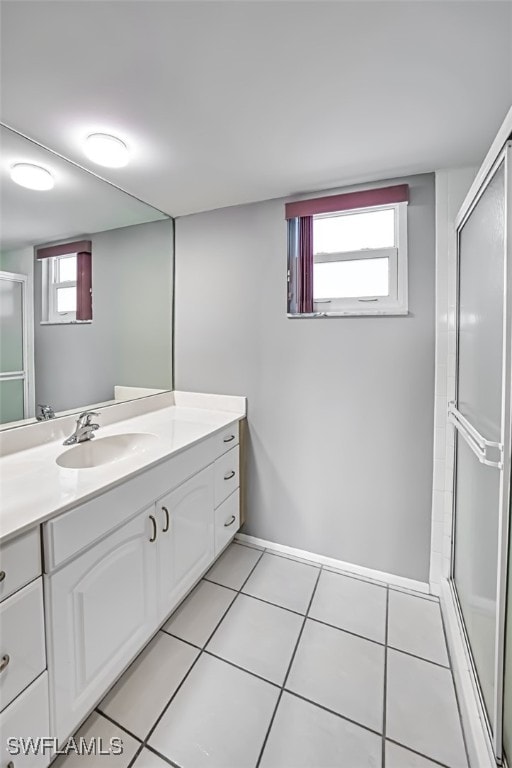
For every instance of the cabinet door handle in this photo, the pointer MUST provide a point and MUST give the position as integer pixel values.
(153, 521)
(229, 439)
(167, 520)
(229, 475)
(2, 575)
(4, 661)
(231, 521)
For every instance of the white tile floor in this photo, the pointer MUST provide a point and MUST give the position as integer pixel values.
(276, 663)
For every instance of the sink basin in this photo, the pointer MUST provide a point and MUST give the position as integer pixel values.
(105, 450)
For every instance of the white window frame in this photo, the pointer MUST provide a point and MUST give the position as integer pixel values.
(396, 303)
(50, 315)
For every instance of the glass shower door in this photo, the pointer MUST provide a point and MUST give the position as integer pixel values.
(13, 373)
(481, 415)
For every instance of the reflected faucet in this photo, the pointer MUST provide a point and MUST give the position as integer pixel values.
(84, 429)
(46, 412)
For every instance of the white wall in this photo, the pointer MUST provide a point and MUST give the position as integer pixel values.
(129, 340)
(451, 187)
(340, 410)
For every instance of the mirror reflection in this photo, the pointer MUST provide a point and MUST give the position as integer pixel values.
(85, 288)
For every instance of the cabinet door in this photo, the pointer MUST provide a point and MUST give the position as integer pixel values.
(185, 537)
(101, 609)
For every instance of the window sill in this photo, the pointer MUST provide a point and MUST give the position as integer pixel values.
(65, 322)
(350, 313)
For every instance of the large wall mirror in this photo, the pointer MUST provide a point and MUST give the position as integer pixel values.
(86, 276)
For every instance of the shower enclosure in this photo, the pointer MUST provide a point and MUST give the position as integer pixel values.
(481, 414)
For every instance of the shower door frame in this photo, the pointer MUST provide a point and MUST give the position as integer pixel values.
(495, 734)
(25, 375)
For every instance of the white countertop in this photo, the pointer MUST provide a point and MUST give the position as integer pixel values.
(35, 488)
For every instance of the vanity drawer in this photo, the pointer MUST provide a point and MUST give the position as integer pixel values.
(20, 562)
(22, 646)
(227, 521)
(227, 475)
(27, 716)
(227, 439)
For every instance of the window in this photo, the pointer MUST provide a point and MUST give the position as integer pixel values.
(66, 282)
(346, 257)
(61, 280)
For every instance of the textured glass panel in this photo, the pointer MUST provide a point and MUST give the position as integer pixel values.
(351, 279)
(66, 299)
(354, 231)
(479, 399)
(11, 326)
(481, 311)
(476, 557)
(67, 269)
(11, 400)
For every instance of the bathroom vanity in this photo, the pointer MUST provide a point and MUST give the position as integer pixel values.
(94, 559)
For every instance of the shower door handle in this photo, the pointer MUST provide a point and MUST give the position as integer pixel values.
(478, 444)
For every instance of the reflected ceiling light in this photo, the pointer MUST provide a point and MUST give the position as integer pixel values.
(106, 150)
(32, 176)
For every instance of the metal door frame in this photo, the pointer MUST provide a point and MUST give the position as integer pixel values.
(26, 375)
(496, 734)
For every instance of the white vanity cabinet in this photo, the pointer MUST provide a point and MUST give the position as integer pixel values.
(119, 564)
(101, 609)
(185, 537)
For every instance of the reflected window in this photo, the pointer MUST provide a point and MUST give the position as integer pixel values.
(66, 282)
(62, 294)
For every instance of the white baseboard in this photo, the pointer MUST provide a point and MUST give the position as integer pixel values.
(475, 730)
(359, 570)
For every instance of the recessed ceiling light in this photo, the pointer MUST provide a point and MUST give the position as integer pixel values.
(32, 176)
(106, 150)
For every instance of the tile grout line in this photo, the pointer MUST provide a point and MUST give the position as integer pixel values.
(333, 712)
(280, 696)
(420, 754)
(420, 658)
(123, 727)
(136, 755)
(161, 756)
(385, 692)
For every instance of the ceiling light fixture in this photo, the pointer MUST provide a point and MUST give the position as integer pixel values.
(106, 150)
(32, 176)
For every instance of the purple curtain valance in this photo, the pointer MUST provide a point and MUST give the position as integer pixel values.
(345, 202)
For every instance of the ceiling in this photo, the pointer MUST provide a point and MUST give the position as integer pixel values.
(231, 102)
(79, 204)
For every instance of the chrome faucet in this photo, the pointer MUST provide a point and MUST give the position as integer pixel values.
(46, 412)
(84, 429)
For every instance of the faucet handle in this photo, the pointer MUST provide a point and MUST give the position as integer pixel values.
(46, 412)
(85, 418)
